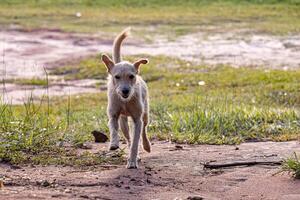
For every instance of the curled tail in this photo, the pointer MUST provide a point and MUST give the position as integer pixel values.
(117, 45)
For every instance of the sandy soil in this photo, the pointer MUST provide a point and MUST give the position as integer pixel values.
(26, 54)
(166, 173)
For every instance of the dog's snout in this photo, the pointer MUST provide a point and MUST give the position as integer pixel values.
(125, 91)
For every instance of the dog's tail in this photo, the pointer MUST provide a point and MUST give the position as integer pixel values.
(117, 45)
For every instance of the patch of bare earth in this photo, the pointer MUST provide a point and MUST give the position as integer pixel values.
(27, 54)
(166, 173)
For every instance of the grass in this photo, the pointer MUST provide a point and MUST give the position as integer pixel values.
(32, 81)
(84, 69)
(38, 133)
(93, 69)
(171, 18)
(189, 104)
(292, 165)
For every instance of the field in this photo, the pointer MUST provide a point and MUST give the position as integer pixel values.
(172, 17)
(196, 106)
(219, 105)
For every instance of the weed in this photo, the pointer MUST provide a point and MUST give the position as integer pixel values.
(292, 165)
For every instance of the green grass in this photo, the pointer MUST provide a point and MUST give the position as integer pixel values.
(32, 81)
(94, 69)
(38, 133)
(89, 68)
(167, 17)
(233, 106)
(292, 166)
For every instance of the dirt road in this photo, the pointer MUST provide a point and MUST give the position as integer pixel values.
(166, 173)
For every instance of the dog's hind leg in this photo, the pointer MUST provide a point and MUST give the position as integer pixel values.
(146, 142)
(123, 121)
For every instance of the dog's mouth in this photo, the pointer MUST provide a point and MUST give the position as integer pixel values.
(125, 96)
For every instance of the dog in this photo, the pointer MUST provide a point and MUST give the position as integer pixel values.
(127, 96)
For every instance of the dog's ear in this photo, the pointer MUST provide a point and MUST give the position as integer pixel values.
(137, 63)
(108, 62)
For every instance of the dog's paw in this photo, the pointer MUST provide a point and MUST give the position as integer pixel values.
(132, 165)
(113, 147)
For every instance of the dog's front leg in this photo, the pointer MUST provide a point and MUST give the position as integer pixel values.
(113, 129)
(132, 160)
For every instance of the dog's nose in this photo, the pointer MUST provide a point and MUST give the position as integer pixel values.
(125, 91)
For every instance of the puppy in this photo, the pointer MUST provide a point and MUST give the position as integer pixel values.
(127, 97)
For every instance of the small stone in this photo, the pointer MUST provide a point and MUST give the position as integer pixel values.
(127, 187)
(147, 173)
(99, 136)
(15, 167)
(67, 190)
(84, 196)
(85, 146)
(45, 183)
(201, 83)
(177, 146)
(195, 198)
(78, 14)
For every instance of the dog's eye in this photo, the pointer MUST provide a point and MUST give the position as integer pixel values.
(117, 77)
(131, 76)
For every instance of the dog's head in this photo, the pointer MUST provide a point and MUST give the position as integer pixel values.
(123, 75)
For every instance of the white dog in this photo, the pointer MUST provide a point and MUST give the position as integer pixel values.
(127, 97)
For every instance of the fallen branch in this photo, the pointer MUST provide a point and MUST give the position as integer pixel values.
(239, 163)
(87, 184)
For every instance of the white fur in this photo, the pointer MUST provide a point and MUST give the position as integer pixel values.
(135, 105)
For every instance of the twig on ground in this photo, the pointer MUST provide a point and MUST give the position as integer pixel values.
(239, 163)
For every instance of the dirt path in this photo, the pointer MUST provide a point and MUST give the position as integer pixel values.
(166, 173)
(26, 54)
